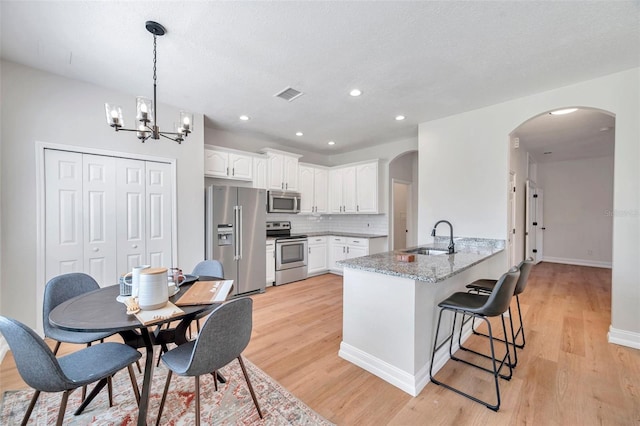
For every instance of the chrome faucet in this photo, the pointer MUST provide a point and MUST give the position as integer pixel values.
(433, 234)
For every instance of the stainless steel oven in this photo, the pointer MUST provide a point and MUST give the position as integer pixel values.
(291, 259)
(283, 202)
(291, 253)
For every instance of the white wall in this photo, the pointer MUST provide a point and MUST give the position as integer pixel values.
(463, 172)
(578, 206)
(39, 106)
(518, 164)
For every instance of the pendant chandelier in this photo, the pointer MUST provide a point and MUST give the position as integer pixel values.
(146, 109)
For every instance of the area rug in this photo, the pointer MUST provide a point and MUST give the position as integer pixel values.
(230, 405)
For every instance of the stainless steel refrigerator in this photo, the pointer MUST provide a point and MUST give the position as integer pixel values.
(235, 226)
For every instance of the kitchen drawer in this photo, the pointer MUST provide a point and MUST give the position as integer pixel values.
(337, 240)
(360, 242)
(271, 244)
(317, 240)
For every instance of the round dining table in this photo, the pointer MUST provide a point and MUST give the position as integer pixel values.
(100, 310)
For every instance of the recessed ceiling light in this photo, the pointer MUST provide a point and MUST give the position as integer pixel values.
(299, 133)
(563, 111)
(355, 92)
(400, 117)
(331, 143)
(244, 117)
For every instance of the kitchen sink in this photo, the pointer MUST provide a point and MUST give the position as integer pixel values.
(427, 251)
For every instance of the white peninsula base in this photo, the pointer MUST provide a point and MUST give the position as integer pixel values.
(389, 321)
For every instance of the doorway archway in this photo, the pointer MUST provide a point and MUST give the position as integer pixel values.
(571, 158)
(403, 201)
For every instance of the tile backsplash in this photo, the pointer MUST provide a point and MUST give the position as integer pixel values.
(377, 224)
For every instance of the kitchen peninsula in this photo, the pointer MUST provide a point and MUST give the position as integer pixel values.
(390, 307)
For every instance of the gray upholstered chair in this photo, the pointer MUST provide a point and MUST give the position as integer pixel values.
(59, 289)
(41, 370)
(483, 307)
(224, 335)
(211, 268)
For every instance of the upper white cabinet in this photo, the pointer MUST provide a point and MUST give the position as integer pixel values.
(354, 189)
(282, 170)
(227, 164)
(313, 182)
(260, 172)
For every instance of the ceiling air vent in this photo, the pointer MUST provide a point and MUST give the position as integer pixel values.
(289, 94)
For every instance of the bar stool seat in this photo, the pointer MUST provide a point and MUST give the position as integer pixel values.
(482, 307)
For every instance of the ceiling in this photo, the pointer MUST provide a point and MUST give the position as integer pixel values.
(424, 60)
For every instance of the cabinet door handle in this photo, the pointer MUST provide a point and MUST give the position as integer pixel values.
(309, 250)
(347, 249)
(227, 171)
(282, 185)
(233, 171)
(357, 208)
(343, 250)
(286, 185)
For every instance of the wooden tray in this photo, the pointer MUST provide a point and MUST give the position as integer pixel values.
(206, 293)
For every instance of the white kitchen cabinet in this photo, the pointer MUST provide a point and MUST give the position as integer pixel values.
(341, 248)
(271, 262)
(282, 170)
(260, 172)
(317, 256)
(337, 252)
(227, 164)
(354, 189)
(313, 184)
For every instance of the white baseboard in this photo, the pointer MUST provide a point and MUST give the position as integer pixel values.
(409, 383)
(624, 338)
(578, 262)
(4, 348)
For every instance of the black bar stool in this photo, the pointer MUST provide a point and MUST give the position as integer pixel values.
(486, 286)
(483, 307)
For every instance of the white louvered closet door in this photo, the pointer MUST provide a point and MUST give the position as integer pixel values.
(63, 213)
(99, 226)
(131, 213)
(158, 224)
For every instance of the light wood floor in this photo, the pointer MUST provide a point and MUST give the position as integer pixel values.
(567, 374)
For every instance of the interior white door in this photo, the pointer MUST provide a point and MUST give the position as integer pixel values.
(530, 221)
(158, 217)
(130, 219)
(63, 213)
(99, 206)
(400, 193)
(540, 225)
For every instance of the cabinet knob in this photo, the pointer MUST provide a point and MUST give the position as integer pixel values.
(96, 249)
(135, 246)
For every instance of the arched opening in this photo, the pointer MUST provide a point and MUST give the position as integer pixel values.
(562, 169)
(403, 200)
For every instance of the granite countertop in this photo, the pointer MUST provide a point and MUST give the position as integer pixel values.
(469, 252)
(344, 234)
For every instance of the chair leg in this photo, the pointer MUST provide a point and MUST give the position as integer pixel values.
(215, 379)
(134, 383)
(495, 371)
(138, 365)
(110, 391)
(253, 394)
(85, 402)
(63, 406)
(521, 328)
(197, 379)
(32, 404)
(164, 396)
(55, 349)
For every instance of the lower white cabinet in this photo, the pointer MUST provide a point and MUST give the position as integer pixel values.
(317, 255)
(271, 262)
(341, 248)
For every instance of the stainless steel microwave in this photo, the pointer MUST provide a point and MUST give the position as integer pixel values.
(283, 202)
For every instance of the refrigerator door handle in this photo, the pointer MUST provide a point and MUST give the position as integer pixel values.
(236, 246)
(240, 234)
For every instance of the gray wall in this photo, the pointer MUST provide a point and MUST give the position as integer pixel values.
(43, 107)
